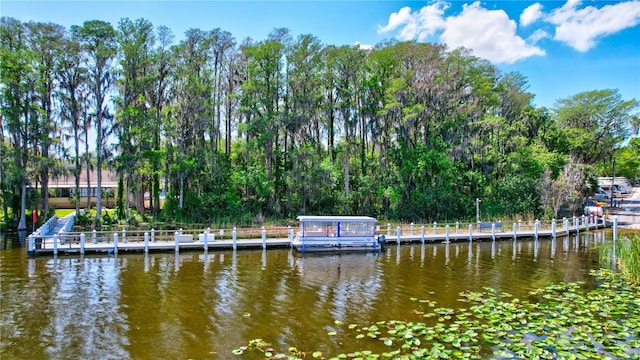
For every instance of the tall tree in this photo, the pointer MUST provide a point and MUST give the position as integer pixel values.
(98, 39)
(45, 41)
(73, 94)
(136, 40)
(596, 122)
(18, 107)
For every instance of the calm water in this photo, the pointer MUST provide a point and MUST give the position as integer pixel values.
(191, 305)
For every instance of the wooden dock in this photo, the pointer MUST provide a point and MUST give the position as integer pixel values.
(204, 240)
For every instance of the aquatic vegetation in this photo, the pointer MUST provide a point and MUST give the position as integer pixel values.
(624, 255)
(561, 320)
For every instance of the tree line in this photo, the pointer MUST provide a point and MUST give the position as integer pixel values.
(287, 126)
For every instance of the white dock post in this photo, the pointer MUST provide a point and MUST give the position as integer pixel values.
(234, 236)
(470, 233)
(82, 241)
(519, 225)
(398, 235)
(55, 244)
(32, 246)
(176, 241)
(576, 224)
(94, 238)
(124, 236)
(435, 227)
(565, 223)
(153, 235)
(553, 228)
(411, 229)
(264, 237)
(584, 222)
(205, 241)
(146, 242)
(457, 226)
(115, 242)
(493, 231)
(604, 221)
(446, 231)
(615, 228)
(515, 232)
(422, 234)
(388, 229)
(536, 227)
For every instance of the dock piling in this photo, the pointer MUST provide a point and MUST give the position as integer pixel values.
(493, 231)
(515, 232)
(264, 237)
(422, 234)
(553, 228)
(234, 235)
(55, 244)
(146, 242)
(32, 245)
(115, 243)
(398, 235)
(435, 227)
(446, 230)
(470, 233)
(94, 237)
(176, 240)
(82, 241)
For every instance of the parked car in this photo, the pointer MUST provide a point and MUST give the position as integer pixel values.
(607, 189)
(601, 195)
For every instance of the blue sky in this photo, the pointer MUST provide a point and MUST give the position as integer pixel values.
(562, 47)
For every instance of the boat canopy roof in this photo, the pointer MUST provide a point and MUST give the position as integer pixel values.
(309, 218)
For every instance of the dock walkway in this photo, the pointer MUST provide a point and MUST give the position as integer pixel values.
(65, 242)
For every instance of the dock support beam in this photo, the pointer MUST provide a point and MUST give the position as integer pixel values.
(176, 240)
(447, 234)
(515, 231)
(422, 234)
(115, 243)
(146, 242)
(553, 228)
(470, 233)
(398, 235)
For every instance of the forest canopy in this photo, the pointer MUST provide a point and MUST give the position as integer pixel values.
(289, 126)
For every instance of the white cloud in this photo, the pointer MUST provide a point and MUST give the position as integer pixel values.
(418, 25)
(581, 28)
(489, 33)
(537, 36)
(531, 14)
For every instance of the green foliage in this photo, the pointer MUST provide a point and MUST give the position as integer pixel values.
(285, 126)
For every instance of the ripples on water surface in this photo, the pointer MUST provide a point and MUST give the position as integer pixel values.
(192, 305)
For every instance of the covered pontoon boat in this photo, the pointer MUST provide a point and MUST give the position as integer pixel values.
(336, 233)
